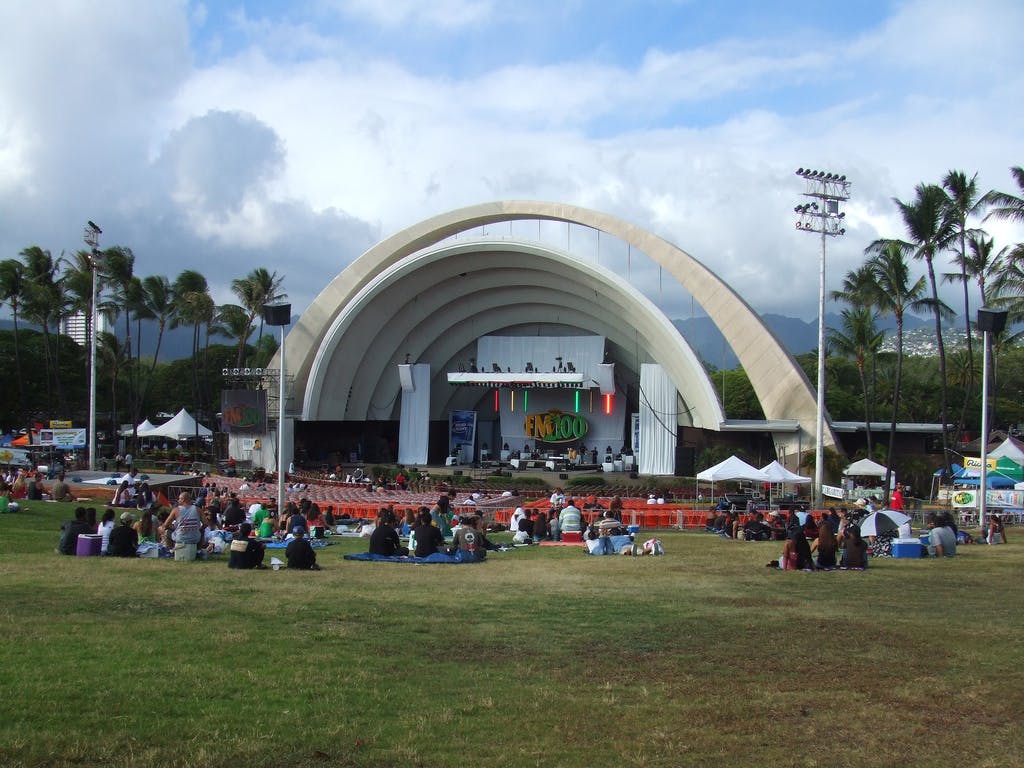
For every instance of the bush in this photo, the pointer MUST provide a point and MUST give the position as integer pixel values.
(592, 481)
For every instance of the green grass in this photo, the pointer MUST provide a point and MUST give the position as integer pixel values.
(538, 657)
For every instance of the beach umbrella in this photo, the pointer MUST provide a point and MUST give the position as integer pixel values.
(883, 521)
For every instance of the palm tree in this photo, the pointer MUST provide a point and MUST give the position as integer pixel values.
(156, 303)
(43, 304)
(929, 233)
(859, 339)
(963, 202)
(895, 295)
(12, 290)
(111, 355)
(255, 290)
(234, 322)
(1008, 206)
(191, 301)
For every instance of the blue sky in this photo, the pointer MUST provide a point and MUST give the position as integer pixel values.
(294, 135)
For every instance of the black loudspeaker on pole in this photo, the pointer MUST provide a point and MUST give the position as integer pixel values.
(277, 314)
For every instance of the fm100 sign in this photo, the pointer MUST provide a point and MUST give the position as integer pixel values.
(555, 426)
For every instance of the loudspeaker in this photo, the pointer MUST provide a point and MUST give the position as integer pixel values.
(405, 376)
(685, 460)
(991, 320)
(604, 375)
(457, 472)
(563, 476)
(277, 314)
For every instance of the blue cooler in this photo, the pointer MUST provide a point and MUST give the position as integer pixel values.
(906, 548)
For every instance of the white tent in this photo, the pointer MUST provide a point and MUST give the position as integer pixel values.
(1010, 449)
(181, 427)
(141, 430)
(865, 468)
(779, 474)
(732, 468)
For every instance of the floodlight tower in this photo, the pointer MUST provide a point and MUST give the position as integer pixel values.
(91, 235)
(826, 190)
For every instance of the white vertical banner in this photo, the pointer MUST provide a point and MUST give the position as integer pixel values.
(658, 421)
(414, 428)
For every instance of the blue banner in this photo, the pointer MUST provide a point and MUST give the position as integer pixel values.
(462, 434)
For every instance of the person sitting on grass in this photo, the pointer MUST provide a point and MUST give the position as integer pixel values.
(796, 552)
(428, 536)
(996, 533)
(855, 549)
(941, 536)
(124, 541)
(146, 527)
(570, 519)
(524, 531)
(469, 543)
(300, 552)
(60, 491)
(105, 527)
(826, 546)
(384, 540)
(246, 552)
(755, 529)
(70, 531)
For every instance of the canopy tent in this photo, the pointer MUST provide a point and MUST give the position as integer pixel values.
(777, 473)
(865, 468)
(1010, 449)
(181, 427)
(142, 430)
(733, 468)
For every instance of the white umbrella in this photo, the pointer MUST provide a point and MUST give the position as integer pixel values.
(883, 521)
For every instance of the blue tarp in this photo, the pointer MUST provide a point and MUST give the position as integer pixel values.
(437, 557)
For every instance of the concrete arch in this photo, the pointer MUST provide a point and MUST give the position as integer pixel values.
(781, 386)
(453, 294)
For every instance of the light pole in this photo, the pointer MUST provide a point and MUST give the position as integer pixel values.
(989, 321)
(92, 239)
(279, 315)
(824, 217)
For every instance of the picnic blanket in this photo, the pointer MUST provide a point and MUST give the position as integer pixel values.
(437, 557)
(315, 543)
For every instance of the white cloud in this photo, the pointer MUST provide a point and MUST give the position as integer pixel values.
(303, 145)
(410, 13)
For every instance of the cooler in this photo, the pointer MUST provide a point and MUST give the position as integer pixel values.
(906, 548)
(573, 537)
(89, 545)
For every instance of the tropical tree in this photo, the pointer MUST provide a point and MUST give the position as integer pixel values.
(43, 304)
(895, 295)
(156, 303)
(192, 303)
(860, 339)
(255, 290)
(111, 357)
(233, 322)
(929, 233)
(962, 202)
(12, 290)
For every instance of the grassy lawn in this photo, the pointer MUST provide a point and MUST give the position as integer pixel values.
(538, 657)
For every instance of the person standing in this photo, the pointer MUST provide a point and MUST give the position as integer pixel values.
(896, 500)
(185, 526)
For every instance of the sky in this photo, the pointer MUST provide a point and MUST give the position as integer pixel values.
(294, 135)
